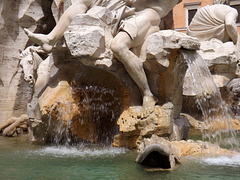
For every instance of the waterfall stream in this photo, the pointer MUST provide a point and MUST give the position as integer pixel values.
(208, 97)
(91, 115)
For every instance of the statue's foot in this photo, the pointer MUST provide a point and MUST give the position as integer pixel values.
(148, 105)
(40, 39)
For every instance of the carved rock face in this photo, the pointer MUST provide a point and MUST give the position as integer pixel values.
(81, 109)
(133, 129)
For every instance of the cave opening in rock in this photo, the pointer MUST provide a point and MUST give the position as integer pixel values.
(156, 160)
(86, 108)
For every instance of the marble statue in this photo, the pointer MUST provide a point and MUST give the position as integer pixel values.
(135, 30)
(142, 19)
(216, 21)
(33, 65)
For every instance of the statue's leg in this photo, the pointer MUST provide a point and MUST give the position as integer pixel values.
(47, 41)
(134, 66)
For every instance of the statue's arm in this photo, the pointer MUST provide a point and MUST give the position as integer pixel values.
(230, 23)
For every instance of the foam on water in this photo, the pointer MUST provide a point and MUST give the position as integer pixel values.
(233, 161)
(64, 151)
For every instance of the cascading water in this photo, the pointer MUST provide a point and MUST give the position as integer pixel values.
(208, 97)
(101, 106)
(97, 110)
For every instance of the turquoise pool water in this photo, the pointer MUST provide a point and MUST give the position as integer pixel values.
(19, 159)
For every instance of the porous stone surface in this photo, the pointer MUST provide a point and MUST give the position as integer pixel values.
(90, 34)
(186, 148)
(133, 129)
(159, 46)
(196, 148)
(167, 158)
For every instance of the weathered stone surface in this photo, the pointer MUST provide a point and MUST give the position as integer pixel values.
(185, 148)
(90, 34)
(196, 148)
(181, 128)
(221, 59)
(161, 43)
(86, 41)
(16, 15)
(195, 124)
(27, 18)
(222, 124)
(64, 110)
(95, 52)
(158, 154)
(132, 128)
(83, 108)
(161, 47)
(14, 92)
(161, 56)
(231, 95)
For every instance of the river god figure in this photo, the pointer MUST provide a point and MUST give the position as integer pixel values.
(132, 33)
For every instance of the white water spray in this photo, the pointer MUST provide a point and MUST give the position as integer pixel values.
(213, 108)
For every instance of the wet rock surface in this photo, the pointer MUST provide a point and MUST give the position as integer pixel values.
(157, 153)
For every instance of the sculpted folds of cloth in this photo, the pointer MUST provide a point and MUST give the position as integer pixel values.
(216, 21)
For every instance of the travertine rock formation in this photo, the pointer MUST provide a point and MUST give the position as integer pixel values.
(133, 129)
(157, 153)
(84, 62)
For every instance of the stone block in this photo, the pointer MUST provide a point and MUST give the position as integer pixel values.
(161, 43)
(85, 41)
(131, 126)
(181, 128)
(89, 35)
